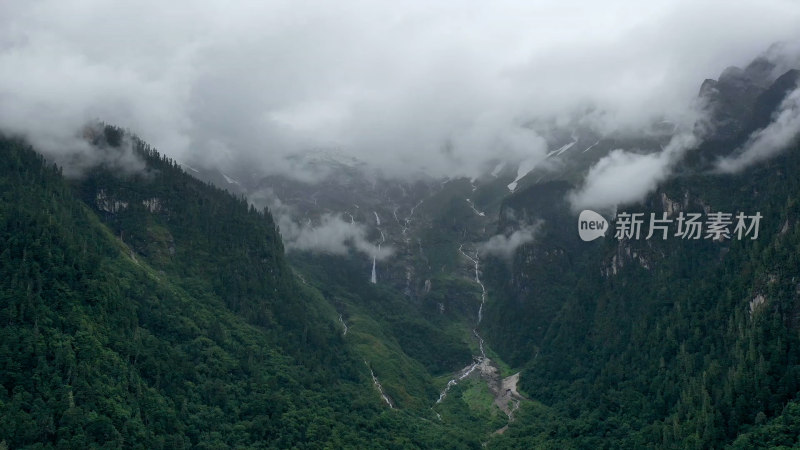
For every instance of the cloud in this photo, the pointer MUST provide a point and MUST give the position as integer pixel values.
(330, 233)
(90, 150)
(624, 177)
(405, 86)
(504, 246)
(768, 141)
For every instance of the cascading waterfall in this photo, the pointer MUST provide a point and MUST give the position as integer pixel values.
(408, 219)
(472, 205)
(479, 360)
(378, 386)
(374, 277)
(464, 373)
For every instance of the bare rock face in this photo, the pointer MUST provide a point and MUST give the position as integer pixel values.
(670, 206)
(107, 204)
(757, 301)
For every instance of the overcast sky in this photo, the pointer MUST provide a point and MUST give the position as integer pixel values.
(393, 83)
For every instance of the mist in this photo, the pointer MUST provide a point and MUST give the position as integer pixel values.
(329, 233)
(439, 87)
(624, 177)
(504, 246)
(769, 141)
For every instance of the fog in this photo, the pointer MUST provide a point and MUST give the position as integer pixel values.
(505, 246)
(768, 141)
(443, 87)
(624, 177)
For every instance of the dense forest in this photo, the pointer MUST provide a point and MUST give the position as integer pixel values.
(148, 309)
(666, 343)
(151, 310)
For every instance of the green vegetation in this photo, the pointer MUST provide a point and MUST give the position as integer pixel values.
(664, 353)
(173, 327)
(151, 310)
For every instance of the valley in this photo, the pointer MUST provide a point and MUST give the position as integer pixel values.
(181, 304)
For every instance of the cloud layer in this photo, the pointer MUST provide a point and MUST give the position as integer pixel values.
(770, 140)
(623, 177)
(405, 86)
(330, 233)
(504, 246)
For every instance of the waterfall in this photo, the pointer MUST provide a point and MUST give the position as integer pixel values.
(374, 278)
(479, 360)
(378, 386)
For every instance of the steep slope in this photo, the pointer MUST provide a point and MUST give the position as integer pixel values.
(667, 343)
(112, 342)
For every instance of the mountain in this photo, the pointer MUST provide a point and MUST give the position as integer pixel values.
(152, 310)
(169, 306)
(670, 343)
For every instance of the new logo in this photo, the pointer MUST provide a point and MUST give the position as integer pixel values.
(591, 225)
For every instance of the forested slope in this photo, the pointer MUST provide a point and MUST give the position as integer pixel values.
(668, 343)
(149, 310)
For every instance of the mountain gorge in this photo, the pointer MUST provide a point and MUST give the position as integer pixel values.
(178, 306)
(121, 328)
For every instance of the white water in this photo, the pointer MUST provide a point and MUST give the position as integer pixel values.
(378, 386)
(299, 276)
(479, 360)
(465, 372)
(410, 215)
(483, 288)
(377, 219)
(472, 205)
(373, 277)
(344, 333)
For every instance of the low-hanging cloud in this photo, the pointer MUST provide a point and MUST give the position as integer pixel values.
(767, 142)
(404, 86)
(504, 246)
(330, 233)
(333, 235)
(90, 150)
(623, 177)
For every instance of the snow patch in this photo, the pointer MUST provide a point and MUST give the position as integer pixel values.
(591, 146)
(561, 149)
(230, 180)
(496, 171)
(524, 168)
